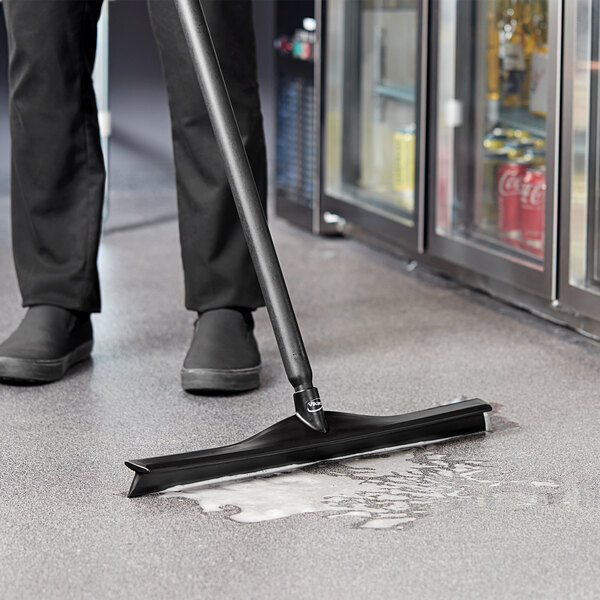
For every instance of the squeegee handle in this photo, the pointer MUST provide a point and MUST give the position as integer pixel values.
(254, 224)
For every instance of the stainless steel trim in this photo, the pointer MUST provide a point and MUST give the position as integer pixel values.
(553, 135)
(584, 301)
(569, 41)
(369, 208)
(337, 223)
(488, 421)
(421, 166)
(317, 128)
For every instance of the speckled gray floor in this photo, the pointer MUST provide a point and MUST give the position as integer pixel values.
(382, 340)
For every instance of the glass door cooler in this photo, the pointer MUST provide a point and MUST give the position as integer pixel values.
(493, 128)
(373, 121)
(579, 274)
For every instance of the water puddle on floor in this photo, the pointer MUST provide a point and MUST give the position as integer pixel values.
(391, 490)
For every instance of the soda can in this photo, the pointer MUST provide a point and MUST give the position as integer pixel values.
(533, 213)
(510, 183)
(487, 215)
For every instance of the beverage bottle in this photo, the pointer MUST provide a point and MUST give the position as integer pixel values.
(538, 74)
(501, 12)
(514, 66)
(529, 46)
(540, 23)
(493, 66)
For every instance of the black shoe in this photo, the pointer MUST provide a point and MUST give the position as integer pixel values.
(46, 344)
(223, 356)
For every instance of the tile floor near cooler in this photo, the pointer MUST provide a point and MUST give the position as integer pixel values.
(512, 514)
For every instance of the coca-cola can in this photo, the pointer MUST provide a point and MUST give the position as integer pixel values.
(510, 181)
(486, 213)
(533, 203)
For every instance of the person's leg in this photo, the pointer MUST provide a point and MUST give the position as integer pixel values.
(57, 184)
(57, 178)
(220, 281)
(217, 265)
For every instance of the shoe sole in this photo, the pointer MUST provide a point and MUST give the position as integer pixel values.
(32, 371)
(220, 380)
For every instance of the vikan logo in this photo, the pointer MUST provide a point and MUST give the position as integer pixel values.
(314, 406)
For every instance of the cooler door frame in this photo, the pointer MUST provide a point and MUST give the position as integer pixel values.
(379, 224)
(583, 300)
(286, 206)
(466, 253)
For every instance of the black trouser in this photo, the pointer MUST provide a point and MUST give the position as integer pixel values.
(57, 167)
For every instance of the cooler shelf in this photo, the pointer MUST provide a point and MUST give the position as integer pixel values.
(521, 118)
(402, 93)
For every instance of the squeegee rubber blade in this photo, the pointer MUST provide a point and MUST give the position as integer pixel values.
(289, 443)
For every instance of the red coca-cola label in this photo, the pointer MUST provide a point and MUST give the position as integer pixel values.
(510, 183)
(533, 204)
(533, 195)
(510, 179)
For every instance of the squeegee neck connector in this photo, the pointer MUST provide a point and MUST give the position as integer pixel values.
(309, 408)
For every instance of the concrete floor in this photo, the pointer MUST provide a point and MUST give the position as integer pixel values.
(510, 514)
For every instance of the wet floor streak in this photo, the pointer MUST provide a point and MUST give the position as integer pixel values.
(388, 491)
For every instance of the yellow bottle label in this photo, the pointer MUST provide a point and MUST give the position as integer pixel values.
(404, 167)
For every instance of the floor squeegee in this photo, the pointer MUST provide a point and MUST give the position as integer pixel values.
(311, 435)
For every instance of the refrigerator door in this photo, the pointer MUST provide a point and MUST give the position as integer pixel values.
(579, 279)
(493, 158)
(374, 94)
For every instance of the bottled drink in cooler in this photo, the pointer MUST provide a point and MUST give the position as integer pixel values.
(522, 28)
(513, 64)
(493, 66)
(404, 166)
(540, 22)
(538, 88)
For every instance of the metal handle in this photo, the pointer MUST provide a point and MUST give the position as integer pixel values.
(254, 224)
